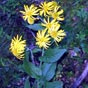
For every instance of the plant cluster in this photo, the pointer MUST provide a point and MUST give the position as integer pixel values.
(48, 16)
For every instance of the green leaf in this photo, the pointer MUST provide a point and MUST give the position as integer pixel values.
(55, 84)
(1, 31)
(59, 67)
(48, 70)
(27, 84)
(30, 68)
(35, 27)
(35, 50)
(52, 55)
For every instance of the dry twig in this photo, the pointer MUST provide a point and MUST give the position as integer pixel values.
(81, 78)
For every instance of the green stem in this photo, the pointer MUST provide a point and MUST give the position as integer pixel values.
(32, 57)
(43, 52)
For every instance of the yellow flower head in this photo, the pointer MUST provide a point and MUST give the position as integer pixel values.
(49, 24)
(42, 39)
(29, 13)
(57, 14)
(17, 47)
(54, 3)
(56, 34)
(46, 7)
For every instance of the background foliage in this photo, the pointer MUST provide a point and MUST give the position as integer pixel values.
(12, 75)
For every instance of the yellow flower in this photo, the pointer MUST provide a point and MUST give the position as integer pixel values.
(49, 24)
(45, 8)
(29, 13)
(42, 39)
(57, 14)
(17, 47)
(54, 3)
(56, 34)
